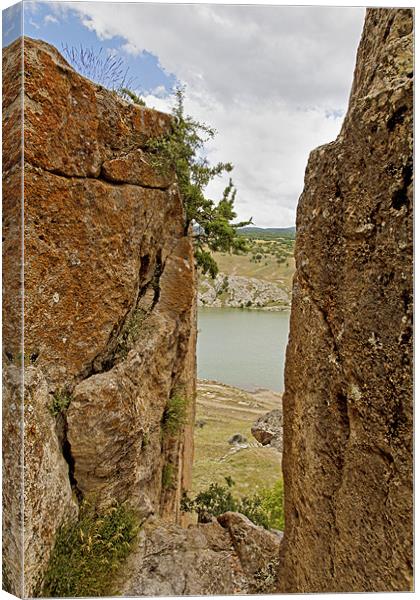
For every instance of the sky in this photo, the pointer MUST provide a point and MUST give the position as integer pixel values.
(274, 81)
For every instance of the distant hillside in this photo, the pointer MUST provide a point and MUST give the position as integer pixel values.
(268, 233)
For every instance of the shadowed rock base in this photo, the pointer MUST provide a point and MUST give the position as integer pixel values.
(231, 555)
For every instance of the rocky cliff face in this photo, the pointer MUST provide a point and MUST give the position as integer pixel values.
(235, 291)
(348, 401)
(109, 308)
(12, 450)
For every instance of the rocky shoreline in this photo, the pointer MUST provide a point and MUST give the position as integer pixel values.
(235, 291)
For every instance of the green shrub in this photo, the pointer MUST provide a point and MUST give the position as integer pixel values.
(183, 150)
(88, 552)
(252, 507)
(264, 508)
(175, 415)
(60, 402)
(215, 500)
(273, 504)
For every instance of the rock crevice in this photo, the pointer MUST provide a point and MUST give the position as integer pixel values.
(106, 179)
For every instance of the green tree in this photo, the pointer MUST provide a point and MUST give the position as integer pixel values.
(212, 222)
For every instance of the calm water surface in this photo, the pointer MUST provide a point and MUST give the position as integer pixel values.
(244, 348)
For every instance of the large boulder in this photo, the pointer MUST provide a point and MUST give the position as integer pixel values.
(268, 429)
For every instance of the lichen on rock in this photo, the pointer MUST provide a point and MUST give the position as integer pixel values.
(230, 555)
(109, 305)
(347, 405)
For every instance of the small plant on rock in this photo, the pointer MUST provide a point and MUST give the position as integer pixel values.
(175, 415)
(104, 69)
(131, 332)
(88, 552)
(135, 99)
(60, 402)
(168, 476)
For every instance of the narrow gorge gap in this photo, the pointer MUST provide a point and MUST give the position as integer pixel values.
(243, 327)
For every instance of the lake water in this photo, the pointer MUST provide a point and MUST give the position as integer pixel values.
(243, 348)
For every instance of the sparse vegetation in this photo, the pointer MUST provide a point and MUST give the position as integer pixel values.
(227, 410)
(129, 94)
(88, 552)
(168, 476)
(130, 332)
(60, 402)
(263, 508)
(175, 414)
(109, 71)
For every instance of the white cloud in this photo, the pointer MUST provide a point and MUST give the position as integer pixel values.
(131, 49)
(160, 91)
(32, 22)
(50, 19)
(273, 80)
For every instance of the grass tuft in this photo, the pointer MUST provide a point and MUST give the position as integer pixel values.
(87, 553)
(131, 332)
(174, 415)
(168, 476)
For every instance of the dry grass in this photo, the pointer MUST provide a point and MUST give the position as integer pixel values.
(227, 410)
(240, 264)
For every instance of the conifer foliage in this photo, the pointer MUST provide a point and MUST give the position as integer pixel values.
(183, 150)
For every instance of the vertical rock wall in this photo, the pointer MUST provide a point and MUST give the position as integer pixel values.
(109, 306)
(12, 350)
(348, 401)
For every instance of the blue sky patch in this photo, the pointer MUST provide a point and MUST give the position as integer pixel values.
(11, 23)
(64, 28)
